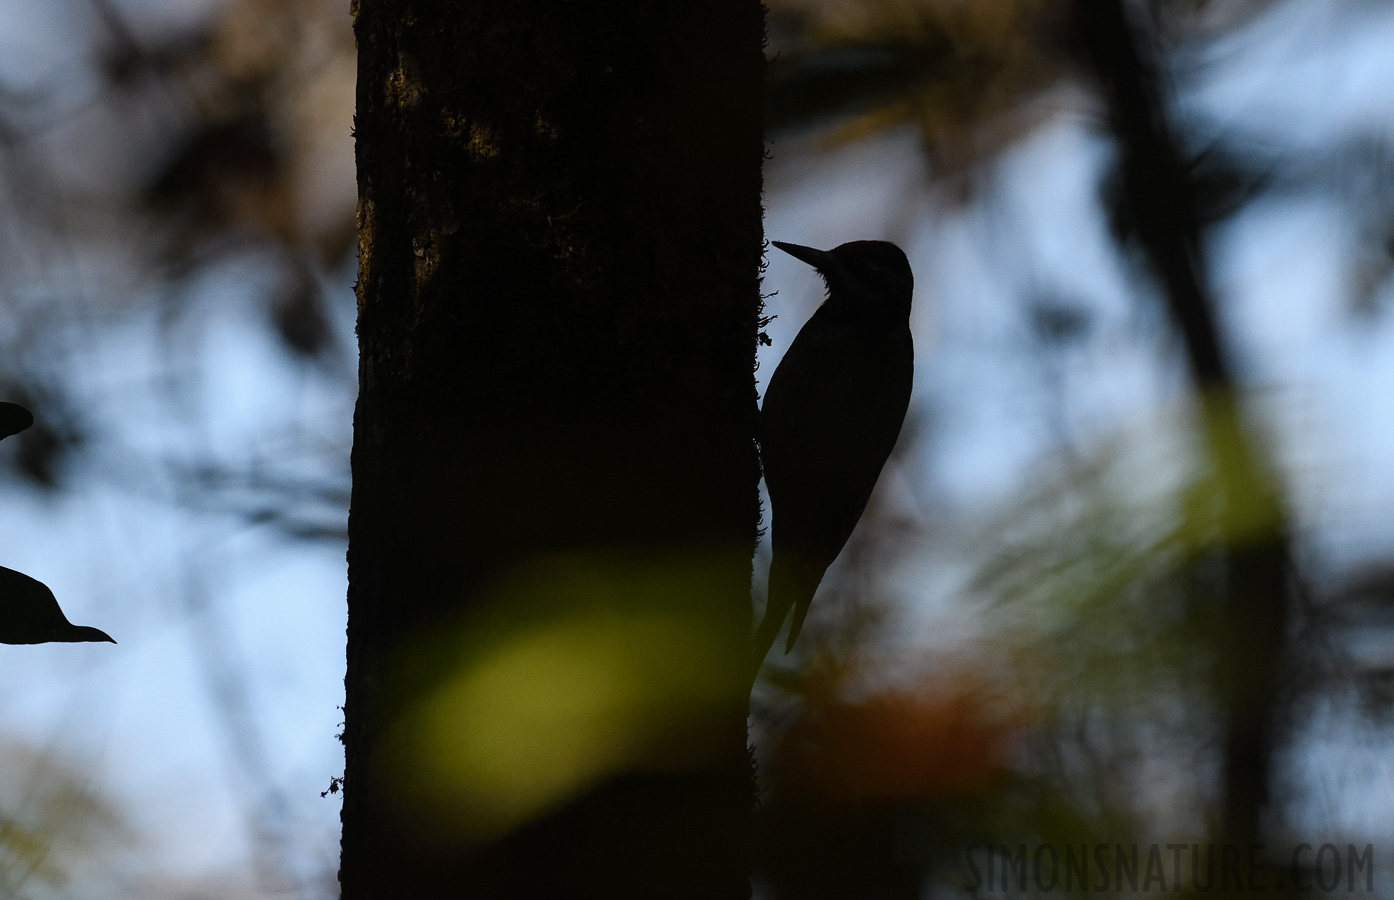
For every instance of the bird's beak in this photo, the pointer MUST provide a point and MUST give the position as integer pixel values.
(821, 260)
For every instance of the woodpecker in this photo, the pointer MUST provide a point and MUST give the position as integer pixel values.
(29, 614)
(831, 415)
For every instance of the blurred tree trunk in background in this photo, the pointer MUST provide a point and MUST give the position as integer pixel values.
(560, 241)
(1251, 628)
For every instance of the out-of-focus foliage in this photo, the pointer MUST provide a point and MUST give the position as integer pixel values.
(1089, 676)
(55, 827)
(177, 206)
(169, 157)
(260, 93)
(963, 74)
(1076, 678)
(260, 155)
(971, 78)
(564, 677)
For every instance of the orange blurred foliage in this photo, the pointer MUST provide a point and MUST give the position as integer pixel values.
(943, 736)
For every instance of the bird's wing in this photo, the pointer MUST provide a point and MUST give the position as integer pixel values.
(832, 413)
(827, 435)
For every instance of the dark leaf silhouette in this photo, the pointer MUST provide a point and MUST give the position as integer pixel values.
(29, 614)
(14, 419)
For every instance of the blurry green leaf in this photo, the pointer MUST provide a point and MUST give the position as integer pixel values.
(52, 824)
(573, 671)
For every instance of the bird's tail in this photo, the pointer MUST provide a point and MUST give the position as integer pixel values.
(791, 587)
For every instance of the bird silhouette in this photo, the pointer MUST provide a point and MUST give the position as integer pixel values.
(831, 416)
(29, 614)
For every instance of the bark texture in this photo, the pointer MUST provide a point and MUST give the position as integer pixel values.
(560, 241)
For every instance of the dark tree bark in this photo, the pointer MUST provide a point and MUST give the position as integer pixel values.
(1252, 627)
(560, 240)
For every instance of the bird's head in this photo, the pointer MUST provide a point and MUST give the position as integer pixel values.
(872, 276)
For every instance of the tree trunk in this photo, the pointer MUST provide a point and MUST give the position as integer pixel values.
(555, 486)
